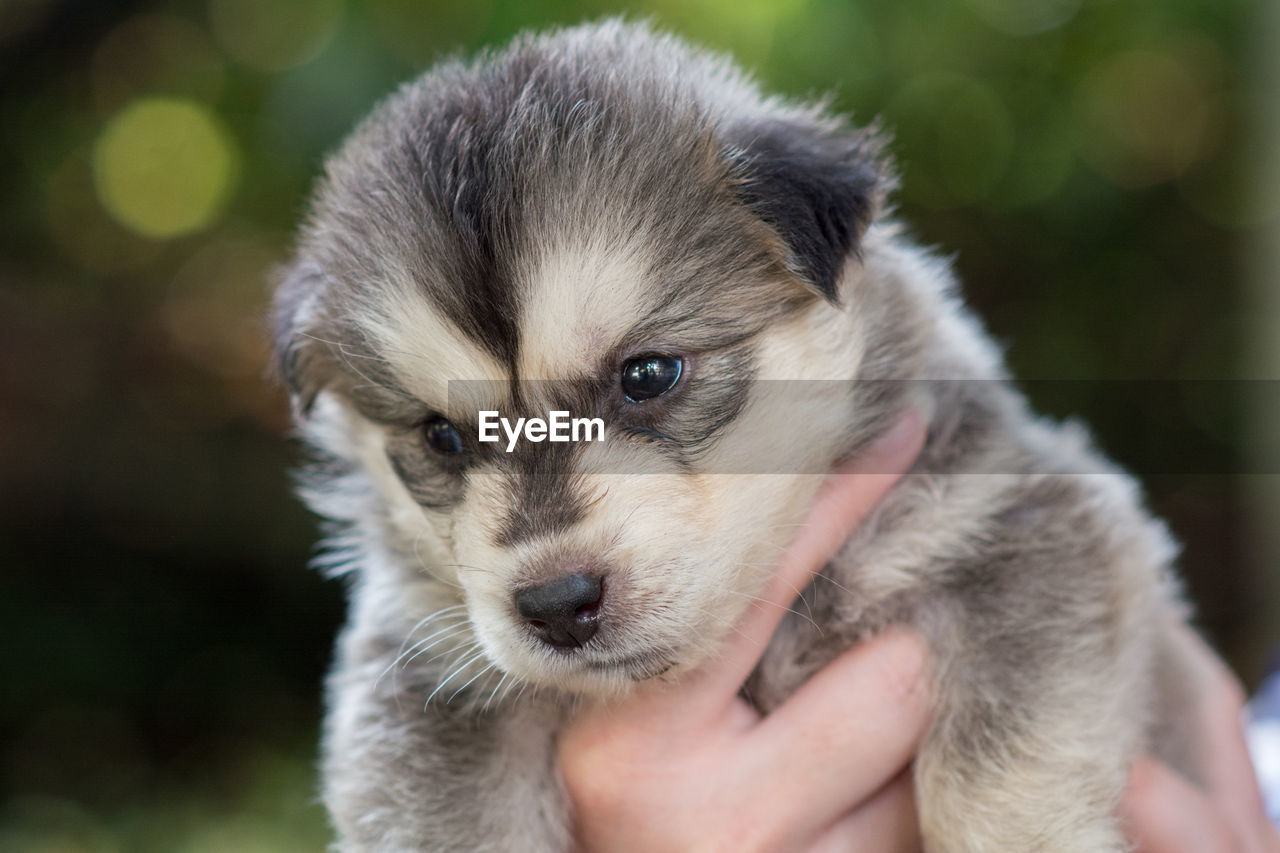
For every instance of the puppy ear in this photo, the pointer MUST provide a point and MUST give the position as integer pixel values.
(303, 361)
(817, 185)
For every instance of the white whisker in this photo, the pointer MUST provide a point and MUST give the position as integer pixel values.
(469, 682)
(807, 617)
(434, 658)
(415, 650)
(494, 692)
(512, 686)
(453, 625)
(421, 623)
(453, 672)
(467, 567)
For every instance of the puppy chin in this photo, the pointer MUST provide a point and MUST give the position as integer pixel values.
(595, 672)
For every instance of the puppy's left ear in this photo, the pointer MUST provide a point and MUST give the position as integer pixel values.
(818, 185)
(304, 361)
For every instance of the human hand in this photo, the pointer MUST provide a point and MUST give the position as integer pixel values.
(1168, 814)
(691, 766)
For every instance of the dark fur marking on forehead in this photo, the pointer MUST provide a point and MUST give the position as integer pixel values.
(536, 146)
(475, 203)
(549, 496)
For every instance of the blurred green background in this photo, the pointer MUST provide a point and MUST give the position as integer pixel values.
(1098, 167)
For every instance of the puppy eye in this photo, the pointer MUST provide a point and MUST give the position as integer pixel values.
(649, 376)
(442, 437)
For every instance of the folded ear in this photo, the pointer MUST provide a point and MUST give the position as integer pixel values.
(818, 185)
(304, 361)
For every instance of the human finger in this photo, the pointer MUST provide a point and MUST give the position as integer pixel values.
(1167, 814)
(847, 497)
(886, 823)
(850, 729)
(1229, 772)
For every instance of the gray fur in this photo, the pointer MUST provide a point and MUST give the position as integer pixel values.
(755, 230)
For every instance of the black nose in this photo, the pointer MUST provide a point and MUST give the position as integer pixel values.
(565, 612)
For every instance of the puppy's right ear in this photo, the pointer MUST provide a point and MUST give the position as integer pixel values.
(303, 360)
(817, 184)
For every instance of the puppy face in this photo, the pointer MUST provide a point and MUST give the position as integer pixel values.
(606, 223)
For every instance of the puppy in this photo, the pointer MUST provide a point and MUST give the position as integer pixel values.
(605, 222)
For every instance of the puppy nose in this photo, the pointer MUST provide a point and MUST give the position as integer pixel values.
(564, 612)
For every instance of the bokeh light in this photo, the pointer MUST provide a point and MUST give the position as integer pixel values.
(1025, 17)
(1143, 116)
(1225, 187)
(164, 167)
(214, 305)
(272, 36)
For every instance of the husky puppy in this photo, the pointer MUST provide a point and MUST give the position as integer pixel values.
(604, 221)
